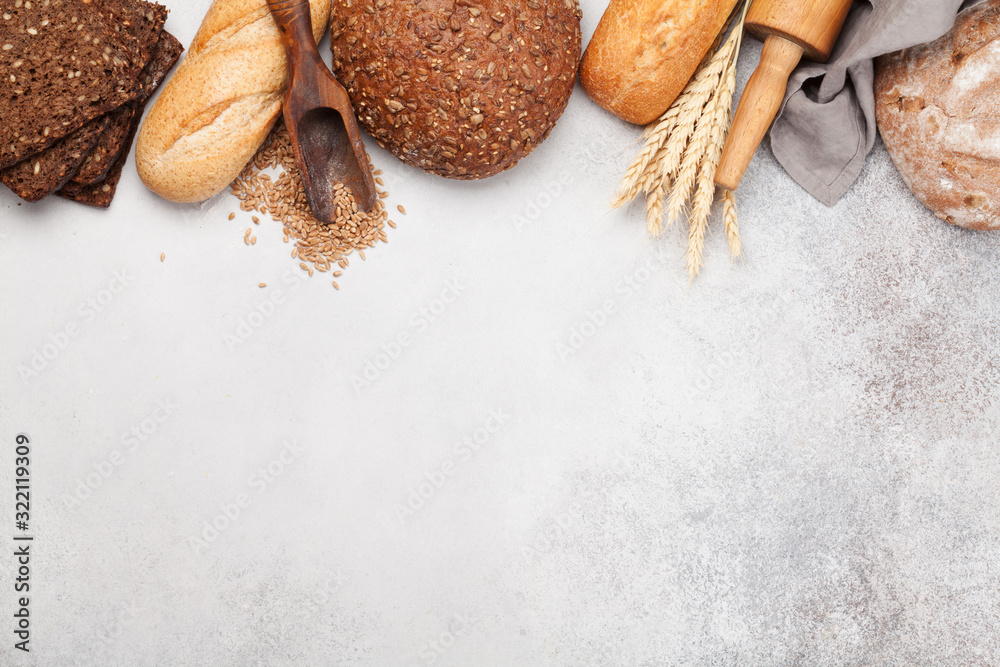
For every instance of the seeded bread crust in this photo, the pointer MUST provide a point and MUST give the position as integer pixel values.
(101, 192)
(98, 162)
(460, 88)
(42, 174)
(41, 43)
(938, 110)
(113, 140)
(139, 24)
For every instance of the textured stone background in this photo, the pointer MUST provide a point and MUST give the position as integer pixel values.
(793, 461)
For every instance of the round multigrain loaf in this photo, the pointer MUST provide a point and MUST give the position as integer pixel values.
(938, 109)
(460, 88)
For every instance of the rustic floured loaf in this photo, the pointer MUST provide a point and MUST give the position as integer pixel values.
(462, 88)
(938, 109)
(644, 52)
(220, 104)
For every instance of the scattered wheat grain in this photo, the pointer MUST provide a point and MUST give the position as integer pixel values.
(282, 197)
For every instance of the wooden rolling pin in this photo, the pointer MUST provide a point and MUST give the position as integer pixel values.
(790, 29)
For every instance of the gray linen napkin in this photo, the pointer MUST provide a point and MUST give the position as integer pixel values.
(826, 126)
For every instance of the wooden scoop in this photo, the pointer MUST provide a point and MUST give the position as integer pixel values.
(320, 118)
(791, 29)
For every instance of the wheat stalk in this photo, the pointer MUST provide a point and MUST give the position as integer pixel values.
(704, 194)
(690, 107)
(656, 135)
(654, 209)
(682, 149)
(667, 169)
(671, 132)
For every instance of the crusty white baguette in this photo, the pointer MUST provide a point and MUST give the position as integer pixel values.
(217, 109)
(644, 52)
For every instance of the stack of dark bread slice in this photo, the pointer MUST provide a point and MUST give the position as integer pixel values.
(75, 76)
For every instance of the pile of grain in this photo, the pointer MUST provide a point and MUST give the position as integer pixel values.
(317, 246)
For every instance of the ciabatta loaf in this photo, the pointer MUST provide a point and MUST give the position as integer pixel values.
(219, 106)
(644, 52)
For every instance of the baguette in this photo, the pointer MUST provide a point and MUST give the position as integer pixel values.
(644, 52)
(220, 105)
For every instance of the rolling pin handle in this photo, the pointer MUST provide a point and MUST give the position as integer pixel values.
(759, 105)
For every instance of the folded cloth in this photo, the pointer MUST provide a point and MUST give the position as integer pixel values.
(826, 125)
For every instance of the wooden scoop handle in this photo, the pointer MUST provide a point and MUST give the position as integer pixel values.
(759, 105)
(295, 24)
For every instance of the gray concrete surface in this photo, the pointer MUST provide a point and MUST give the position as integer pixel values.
(792, 461)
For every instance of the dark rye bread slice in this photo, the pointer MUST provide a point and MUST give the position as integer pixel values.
(62, 65)
(46, 172)
(99, 162)
(101, 193)
(140, 24)
(168, 52)
(137, 22)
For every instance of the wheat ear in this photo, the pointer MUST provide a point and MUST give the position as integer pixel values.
(732, 223)
(697, 172)
(686, 109)
(656, 136)
(691, 108)
(671, 131)
(681, 151)
(704, 193)
(681, 191)
(654, 209)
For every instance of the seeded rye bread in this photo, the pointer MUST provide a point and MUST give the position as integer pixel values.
(460, 88)
(118, 135)
(96, 164)
(938, 110)
(41, 45)
(137, 22)
(43, 173)
(140, 24)
(101, 192)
